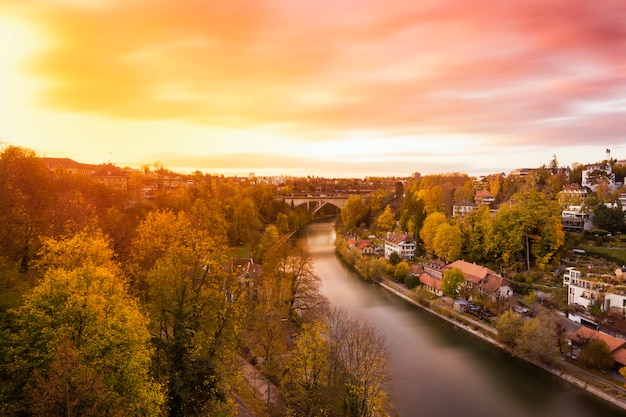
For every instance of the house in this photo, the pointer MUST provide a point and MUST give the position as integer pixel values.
(111, 176)
(463, 208)
(461, 305)
(575, 220)
(483, 280)
(576, 190)
(57, 165)
(582, 292)
(248, 274)
(588, 175)
(434, 268)
(431, 284)
(474, 274)
(583, 335)
(364, 248)
(484, 197)
(496, 287)
(400, 243)
(520, 172)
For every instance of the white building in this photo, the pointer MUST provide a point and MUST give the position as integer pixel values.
(589, 169)
(583, 292)
(615, 300)
(400, 243)
(575, 220)
(463, 208)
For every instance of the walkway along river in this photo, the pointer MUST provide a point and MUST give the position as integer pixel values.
(437, 369)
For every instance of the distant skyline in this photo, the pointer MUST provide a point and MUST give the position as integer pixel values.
(348, 88)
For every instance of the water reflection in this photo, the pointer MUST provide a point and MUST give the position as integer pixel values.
(439, 370)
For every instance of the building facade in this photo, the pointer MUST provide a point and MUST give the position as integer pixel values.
(400, 243)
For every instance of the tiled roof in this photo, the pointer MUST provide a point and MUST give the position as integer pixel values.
(416, 269)
(619, 356)
(361, 244)
(585, 333)
(109, 170)
(493, 282)
(55, 163)
(396, 238)
(430, 281)
(484, 194)
(473, 273)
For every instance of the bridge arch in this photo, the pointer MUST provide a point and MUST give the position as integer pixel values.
(315, 203)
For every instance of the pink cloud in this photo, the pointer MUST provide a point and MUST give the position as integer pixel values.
(519, 68)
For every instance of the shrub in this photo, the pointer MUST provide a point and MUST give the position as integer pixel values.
(411, 281)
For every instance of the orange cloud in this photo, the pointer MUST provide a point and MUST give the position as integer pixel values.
(532, 69)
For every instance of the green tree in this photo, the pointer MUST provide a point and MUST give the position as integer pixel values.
(611, 219)
(394, 258)
(451, 281)
(411, 281)
(386, 221)
(597, 355)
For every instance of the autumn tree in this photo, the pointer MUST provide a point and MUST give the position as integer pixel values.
(358, 358)
(428, 233)
(412, 212)
(539, 338)
(291, 267)
(82, 343)
(305, 384)
(476, 229)
(354, 212)
(370, 268)
(401, 271)
(434, 199)
(448, 242)
(509, 327)
(386, 221)
(196, 303)
(596, 354)
(529, 228)
(25, 193)
(451, 281)
(464, 193)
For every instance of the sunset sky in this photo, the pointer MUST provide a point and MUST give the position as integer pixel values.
(342, 88)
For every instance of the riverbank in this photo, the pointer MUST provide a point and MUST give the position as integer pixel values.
(601, 389)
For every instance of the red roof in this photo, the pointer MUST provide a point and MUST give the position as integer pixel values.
(492, 283)
(430, 281)
(362, 244)
(585, 333)
(473, 273)
(396, 238)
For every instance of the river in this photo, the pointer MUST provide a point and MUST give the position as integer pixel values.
(438, 370)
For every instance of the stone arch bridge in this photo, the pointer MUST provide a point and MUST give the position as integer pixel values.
(315, 202)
